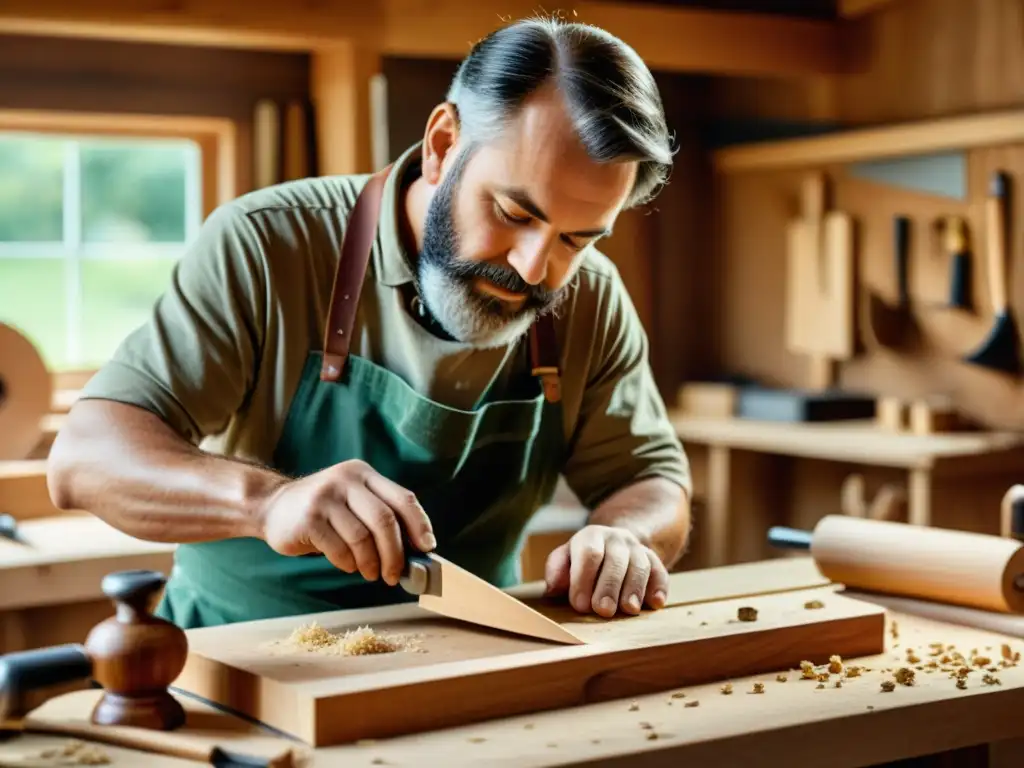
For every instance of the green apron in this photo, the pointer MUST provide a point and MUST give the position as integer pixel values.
(479, 474)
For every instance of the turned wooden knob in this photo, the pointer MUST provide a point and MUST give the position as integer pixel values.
(136, 656)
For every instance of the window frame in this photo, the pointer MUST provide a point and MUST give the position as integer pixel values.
(215, 137)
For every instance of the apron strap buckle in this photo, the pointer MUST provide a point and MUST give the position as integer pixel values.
(551, 382)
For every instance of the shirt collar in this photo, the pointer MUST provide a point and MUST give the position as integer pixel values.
(392, 262)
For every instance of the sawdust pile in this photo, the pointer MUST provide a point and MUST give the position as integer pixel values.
(362, 641)
(76, 753)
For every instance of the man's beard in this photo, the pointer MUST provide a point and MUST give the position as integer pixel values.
(446, 281)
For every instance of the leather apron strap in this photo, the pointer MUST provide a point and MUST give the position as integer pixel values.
(356, 248)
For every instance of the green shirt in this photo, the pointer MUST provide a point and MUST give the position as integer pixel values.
(221, 355)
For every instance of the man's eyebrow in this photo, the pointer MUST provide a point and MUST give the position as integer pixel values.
(521, 198)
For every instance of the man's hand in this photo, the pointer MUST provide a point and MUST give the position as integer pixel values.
(353, 515)
(606, 569)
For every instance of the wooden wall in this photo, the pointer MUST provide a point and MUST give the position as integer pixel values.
(914, 59)
(118, 77)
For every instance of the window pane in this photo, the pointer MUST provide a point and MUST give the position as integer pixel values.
(32, 298)
(117, 296)
(31, 188)
(134, 191)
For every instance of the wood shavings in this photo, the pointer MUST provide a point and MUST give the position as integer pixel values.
(1008, 654)
(361, 641)
(981, 661)
(746, 613)
(991, 680)
(894, 630)
(781, 678)
(823, 677)
(476, 740)
(758, 688)
(692, 704)
(727, 689)
(904, 676)
(807, 671)
(961, 683)
(839, 683)
(888, 686)
(820, 686)
(634, 706)
(77, 752)
(678, 695)
(835, 664)
(813, 605)
(853, 671)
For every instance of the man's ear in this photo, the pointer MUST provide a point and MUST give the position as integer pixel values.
(439, 140)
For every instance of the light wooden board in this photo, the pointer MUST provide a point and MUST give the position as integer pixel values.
(793, 723)
(460, 673)
(68, 558)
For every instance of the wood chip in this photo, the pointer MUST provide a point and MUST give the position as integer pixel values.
(746, 613)
(888, 686)
(727, 689)
(678, 695)
(692, 704)
(835, 664)
(758, 688)
(991, 680)
(905, 676)
(782, 678)
(813, 605)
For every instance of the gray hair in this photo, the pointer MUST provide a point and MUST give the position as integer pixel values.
(611, 95)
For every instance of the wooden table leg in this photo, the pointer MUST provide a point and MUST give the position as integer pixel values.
(919, 497)
(718, 523)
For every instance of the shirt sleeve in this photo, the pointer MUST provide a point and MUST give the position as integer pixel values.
(193, 362)
(623, 433)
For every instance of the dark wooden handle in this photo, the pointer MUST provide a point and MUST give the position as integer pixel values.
(26, 671)
(135, 588)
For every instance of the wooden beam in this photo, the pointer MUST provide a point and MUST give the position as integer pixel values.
(850, 9)
(669, 39)
(942, 134)
(342, 92)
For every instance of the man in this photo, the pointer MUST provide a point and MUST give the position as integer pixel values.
(297, 426)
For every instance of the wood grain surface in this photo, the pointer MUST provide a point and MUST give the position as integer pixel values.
(459, 673)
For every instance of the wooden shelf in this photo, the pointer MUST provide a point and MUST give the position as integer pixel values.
(860, 442)
(944, 134)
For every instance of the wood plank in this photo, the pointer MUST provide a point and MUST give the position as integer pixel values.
(854, 726)
(855, 441)
(460, 673)
(23, 491)
(342, 88)
(68, 558)
(926, 136)
(669, 39)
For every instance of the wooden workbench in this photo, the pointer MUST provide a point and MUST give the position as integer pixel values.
(792, 724)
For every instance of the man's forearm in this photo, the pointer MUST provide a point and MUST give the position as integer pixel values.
(655, 510)
(130, 469)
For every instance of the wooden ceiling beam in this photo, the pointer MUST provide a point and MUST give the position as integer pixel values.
(669, 39)
(850, 9)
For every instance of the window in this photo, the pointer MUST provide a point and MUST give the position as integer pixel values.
(90, 230)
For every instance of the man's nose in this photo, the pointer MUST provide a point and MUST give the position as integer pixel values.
(530, 257)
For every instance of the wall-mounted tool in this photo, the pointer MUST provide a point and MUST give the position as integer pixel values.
(1001, 349)
(890, 325)
(956, 245)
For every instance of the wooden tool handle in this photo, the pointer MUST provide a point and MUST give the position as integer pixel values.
(27, 671)
(995, 235)
(948, 566)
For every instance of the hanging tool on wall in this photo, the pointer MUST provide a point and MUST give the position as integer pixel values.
(956, 245)
(1001, 349)
(888, 325)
